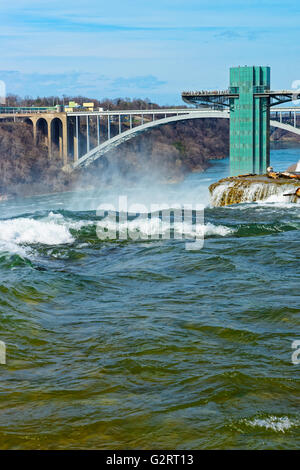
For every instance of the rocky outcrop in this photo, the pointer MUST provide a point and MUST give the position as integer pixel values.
(251, 188)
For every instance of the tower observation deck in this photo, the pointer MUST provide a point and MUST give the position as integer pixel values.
(249, 99)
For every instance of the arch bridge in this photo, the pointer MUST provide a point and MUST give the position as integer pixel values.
(121, 126)
(82, 137)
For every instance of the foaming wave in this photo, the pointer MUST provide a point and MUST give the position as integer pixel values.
(20, 235)
(275, 423)
(279, 200)
(221, 230)
(154, 228)
(15, 234)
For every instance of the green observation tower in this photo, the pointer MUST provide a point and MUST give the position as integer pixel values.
(249, 99)
(249, 120)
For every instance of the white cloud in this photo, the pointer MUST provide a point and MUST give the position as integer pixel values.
(77, 83)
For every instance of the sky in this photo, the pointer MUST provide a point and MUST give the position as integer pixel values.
(138, 49)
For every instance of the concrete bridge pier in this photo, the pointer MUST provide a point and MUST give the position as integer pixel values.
(108, 126)
(76, 139)
(79, 138)
(49, 143)
(87, 134)
(34, 133)
(52, 129)
(98, 130)
(65, 140)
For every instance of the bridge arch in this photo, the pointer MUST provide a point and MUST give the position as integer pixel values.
(56, 126)
(42, 131)
(29, 122)
(286, 127)
(114, 142)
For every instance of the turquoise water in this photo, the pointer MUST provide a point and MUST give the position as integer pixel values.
(143, 344)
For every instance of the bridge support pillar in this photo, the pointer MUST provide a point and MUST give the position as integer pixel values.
(60, 142)
(87, 134)
(49, 139)
(64, 143)
(57, 133)
(34, 130)
(76, 139)
(98, 130)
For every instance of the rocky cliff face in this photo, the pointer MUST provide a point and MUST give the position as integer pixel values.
(25, 169)
(281, 135)
(241, 189)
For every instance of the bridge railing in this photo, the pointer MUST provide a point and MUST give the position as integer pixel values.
(286, 116)
(115, 123)
(26, 109)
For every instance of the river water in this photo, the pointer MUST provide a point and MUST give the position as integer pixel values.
(144, 344)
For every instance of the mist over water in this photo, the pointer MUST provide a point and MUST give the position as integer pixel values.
(142, 344)
(147, 189)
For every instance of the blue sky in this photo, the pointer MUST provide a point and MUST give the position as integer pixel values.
(151, 49)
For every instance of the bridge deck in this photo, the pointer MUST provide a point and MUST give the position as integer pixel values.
(128, 112)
